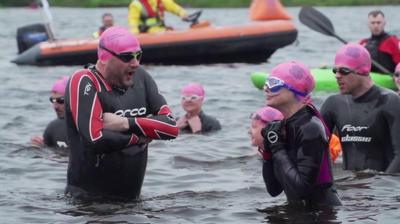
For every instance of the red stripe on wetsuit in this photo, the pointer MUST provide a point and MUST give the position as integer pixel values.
(95, 122)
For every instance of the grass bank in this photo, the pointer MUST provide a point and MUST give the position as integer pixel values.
(201, 3)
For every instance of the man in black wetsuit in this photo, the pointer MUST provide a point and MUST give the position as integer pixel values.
(366, 117)
(113, 109)
(195, 120)
(383, 48)
(55, 134)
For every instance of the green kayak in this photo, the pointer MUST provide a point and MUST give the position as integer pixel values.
(325, 80)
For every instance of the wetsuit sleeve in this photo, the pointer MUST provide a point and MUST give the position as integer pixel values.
(272, 184)
(327, 113)
(174, 8)
(301, 175)
(87, 112)
(392, 115)
(161, 124)
(135, 9)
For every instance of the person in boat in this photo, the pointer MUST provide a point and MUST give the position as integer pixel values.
(296, 149)
(366, 117)
(55, 134)
(195, 120)
(113, 110)
(396, 77)
(147, 16)
(108, 21)
(383, 47)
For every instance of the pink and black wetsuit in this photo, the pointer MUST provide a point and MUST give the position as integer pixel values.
(303, 169)
(107, 162)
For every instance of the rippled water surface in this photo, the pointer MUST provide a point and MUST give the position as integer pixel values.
(194, 179)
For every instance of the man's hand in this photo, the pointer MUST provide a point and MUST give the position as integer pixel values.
(114, 122)
(37, 141)
(195, 123)
(274, 136)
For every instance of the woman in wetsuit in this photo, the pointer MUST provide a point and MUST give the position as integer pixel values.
(299, 162)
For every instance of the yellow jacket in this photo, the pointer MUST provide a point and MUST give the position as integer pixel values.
(138, 15)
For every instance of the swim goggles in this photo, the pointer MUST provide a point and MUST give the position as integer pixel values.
(345, 71)
(192, 98)
(274, 85)
(396, 74)
(59, 100)
(126, 56)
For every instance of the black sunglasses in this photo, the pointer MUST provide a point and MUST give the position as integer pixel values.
(396, 74)
(59, 100)
(126, 56)
(343, 71)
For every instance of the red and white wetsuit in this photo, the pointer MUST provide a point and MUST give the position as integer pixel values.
(107, 162)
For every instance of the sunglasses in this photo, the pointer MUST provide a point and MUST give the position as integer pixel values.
(192, 97)
(275, 85)
(126, 56)
(396, 74)
(343, 71)
(59, 100)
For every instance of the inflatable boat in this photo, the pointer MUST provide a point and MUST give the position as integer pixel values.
(325, 80)
(271, 28)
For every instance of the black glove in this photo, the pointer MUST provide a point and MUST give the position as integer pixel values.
(274, 136)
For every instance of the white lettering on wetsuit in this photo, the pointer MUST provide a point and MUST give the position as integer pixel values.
(62, 144)
(348, 138)
(351, 128)
(131, 112)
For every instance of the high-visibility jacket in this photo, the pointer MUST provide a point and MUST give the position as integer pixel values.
(148, 15)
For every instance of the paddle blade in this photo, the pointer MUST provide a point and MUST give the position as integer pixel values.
(316, 21)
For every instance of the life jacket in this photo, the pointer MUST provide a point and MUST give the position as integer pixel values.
(151, 17)
(384, 49)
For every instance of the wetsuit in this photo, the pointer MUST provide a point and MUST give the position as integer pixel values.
(368, 128)
(104, 162)
(384, 49)
(208, 124)
(302, 169)
(55, 134)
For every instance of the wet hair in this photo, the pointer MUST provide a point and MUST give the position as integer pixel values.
(106, 14)
(375, 13)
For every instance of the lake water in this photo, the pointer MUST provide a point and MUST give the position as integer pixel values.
(193, 179)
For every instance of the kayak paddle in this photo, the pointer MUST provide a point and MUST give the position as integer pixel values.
(317, 21)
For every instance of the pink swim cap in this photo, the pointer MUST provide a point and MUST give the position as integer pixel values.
(193, 89)
(117, 39)
(397, 68)
(268, 114)
(60, 85)
(296, 75)
(355, 57)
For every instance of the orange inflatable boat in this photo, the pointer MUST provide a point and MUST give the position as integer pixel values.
(253, 42)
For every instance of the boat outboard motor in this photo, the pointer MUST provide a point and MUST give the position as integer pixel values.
(29, 35)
